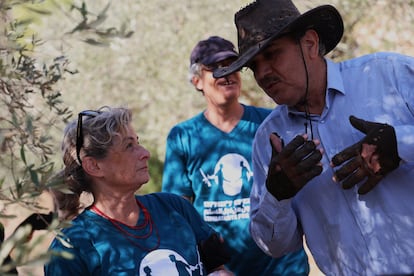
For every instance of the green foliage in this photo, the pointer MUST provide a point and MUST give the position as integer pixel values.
(29, 104)
(370, 26)
(103, 35)
(32, 111)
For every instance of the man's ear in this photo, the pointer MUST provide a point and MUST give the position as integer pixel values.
(310, 42)
(91, 166)
(197, 82)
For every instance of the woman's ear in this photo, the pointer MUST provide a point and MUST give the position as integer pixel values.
(91, 166)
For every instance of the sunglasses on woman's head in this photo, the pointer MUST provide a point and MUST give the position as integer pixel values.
(79, 133)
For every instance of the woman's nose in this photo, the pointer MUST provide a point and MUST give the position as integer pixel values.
(144, 153)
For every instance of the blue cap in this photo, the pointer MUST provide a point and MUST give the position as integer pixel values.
(212, 50)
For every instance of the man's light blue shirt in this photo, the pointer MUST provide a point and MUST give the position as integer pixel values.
(347, 233)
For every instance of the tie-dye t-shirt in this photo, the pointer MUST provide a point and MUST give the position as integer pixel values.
(215, 169)
(100, 248)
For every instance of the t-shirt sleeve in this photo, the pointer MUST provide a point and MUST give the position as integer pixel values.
(72, 261)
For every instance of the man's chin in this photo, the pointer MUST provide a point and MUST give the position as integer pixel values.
(281, 101)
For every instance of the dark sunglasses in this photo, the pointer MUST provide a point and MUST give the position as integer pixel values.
(79, 133)
(220, 64)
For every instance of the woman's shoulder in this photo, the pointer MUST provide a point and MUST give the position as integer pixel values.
(82, 225)
(166, 201)
(161, 197)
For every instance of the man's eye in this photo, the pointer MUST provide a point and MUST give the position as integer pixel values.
(270, 54)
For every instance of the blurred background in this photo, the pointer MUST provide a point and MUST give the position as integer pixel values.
(59, 57)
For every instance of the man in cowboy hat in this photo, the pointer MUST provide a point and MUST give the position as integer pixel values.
(339, 168)
(208, 161)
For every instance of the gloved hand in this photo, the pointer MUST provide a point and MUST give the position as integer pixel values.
(213, 253)
(372, 157)
(291, 167)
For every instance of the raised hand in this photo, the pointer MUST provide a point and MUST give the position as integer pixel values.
(371, 158)
(292, 166)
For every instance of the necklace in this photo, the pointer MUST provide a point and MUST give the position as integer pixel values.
(148, 222)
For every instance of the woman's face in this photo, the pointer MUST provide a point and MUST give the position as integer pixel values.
(126, 164)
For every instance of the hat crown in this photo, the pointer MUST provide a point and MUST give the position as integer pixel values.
(212, 50)
(261, 19)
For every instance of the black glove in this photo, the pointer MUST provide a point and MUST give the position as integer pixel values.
(372, 157)
(292, 167)
(213, 253)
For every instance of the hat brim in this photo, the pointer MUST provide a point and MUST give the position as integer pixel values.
(329, 26)
(220, 56)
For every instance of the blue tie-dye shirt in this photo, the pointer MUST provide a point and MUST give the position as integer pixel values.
(100, 247)
(214, 167)
(347, 233)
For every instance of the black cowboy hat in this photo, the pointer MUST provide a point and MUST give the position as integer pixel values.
(264, 20)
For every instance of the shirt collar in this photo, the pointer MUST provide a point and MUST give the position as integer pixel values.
(335, 82)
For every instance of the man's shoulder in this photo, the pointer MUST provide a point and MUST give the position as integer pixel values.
(377, 58)
(258, 109)
(188, 125)
(255, 111)
(190, 121)
(276, 118)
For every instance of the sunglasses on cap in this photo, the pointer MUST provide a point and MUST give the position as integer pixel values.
(79, 132)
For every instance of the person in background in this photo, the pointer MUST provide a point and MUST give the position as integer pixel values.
(339, 168)
(208, 161)
(122, 233)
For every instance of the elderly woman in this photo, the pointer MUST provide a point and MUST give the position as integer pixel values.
(122, 233)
